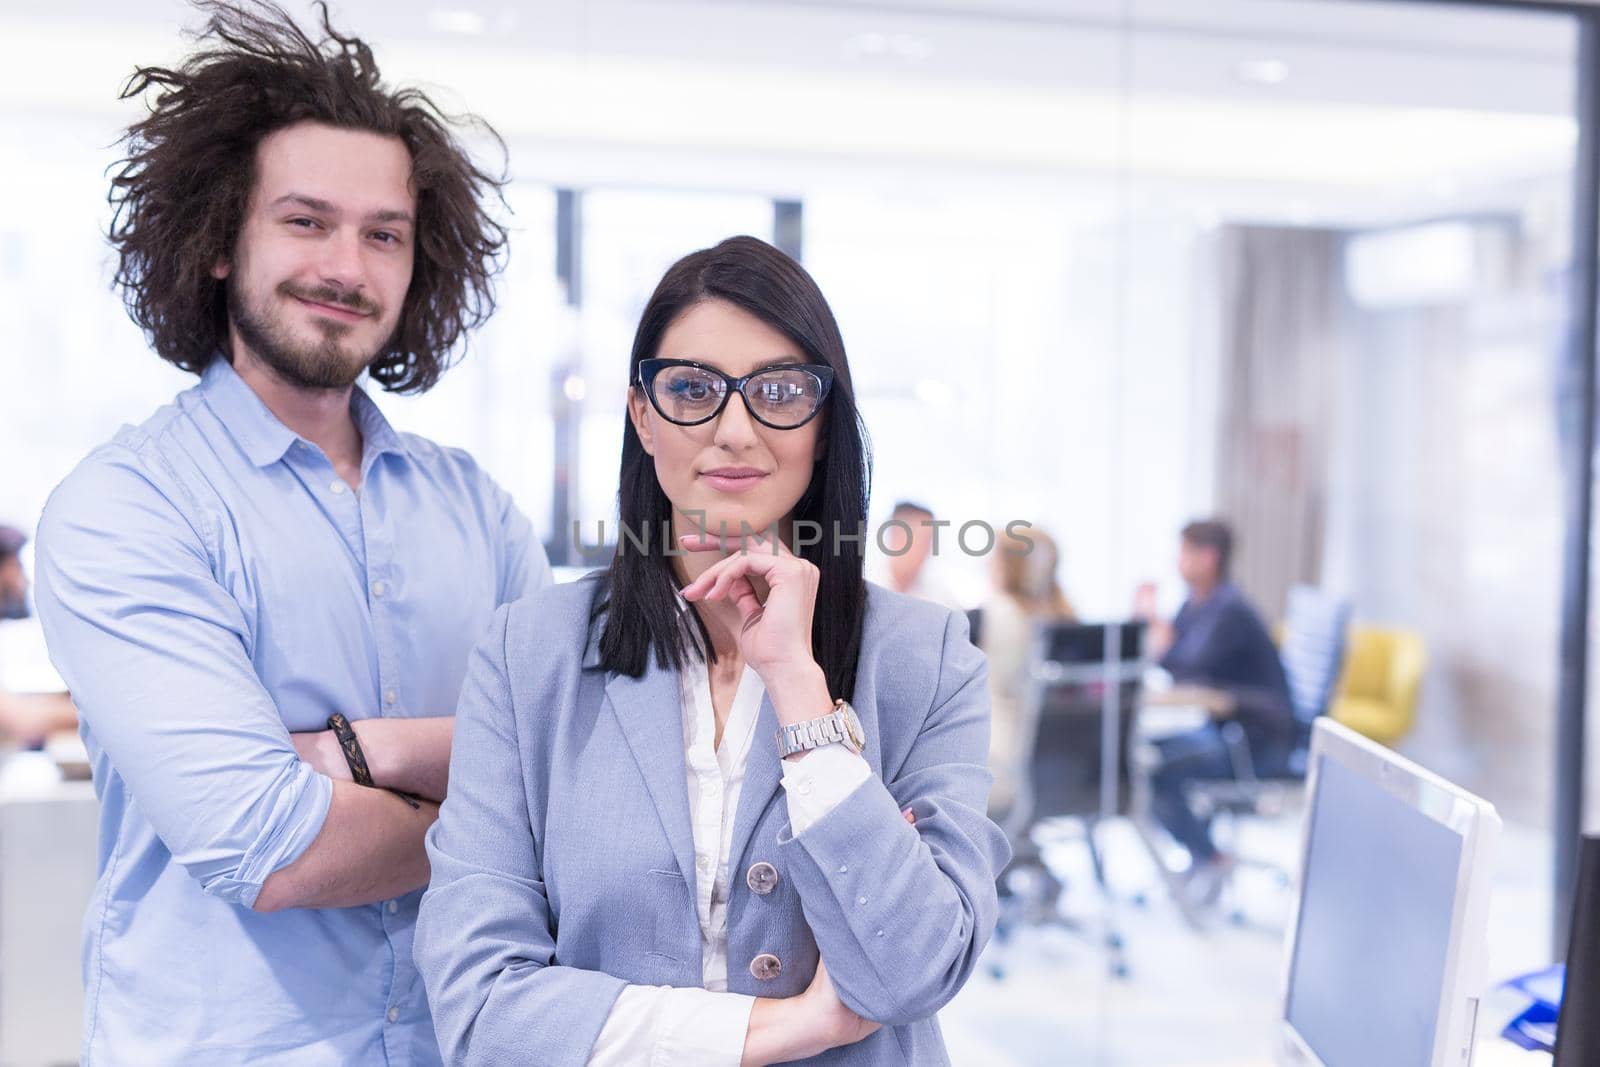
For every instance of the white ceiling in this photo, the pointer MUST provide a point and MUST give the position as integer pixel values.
(1378, 103)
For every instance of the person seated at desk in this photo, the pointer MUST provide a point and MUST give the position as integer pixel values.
(26, 719)
(1221, 657)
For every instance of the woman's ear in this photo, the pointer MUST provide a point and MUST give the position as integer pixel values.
(637, 405)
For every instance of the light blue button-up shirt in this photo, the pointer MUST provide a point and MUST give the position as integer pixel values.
(208, 585)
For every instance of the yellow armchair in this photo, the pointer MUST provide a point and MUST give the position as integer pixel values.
(1381, 681)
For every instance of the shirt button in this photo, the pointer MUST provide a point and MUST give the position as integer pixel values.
(704, 865)
(394, 1015)
(762, 878)
(844, 868)
(862, 901)
(394, 906)
(337, 488)
(390, 696)
(766, 967)
(805, 788)
(378, 588)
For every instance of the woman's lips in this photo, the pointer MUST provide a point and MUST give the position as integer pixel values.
(733, 479)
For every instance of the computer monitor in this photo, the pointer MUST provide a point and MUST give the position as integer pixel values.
(1386, 947)
(1578, 1030)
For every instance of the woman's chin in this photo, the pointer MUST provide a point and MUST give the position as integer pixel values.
(721, 520)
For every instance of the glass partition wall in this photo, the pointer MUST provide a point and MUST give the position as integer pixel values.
(1101, 266)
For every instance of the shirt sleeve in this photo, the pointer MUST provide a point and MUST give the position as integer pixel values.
(818, 782)
(155, 652)
(524, 565)
(664, 1026)
(901, 913)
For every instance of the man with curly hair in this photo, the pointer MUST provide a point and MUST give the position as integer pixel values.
(264, 597)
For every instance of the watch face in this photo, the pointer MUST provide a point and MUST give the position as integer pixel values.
(852, 727)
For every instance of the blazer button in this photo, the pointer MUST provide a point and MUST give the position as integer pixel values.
(766, 967)
(762, 878)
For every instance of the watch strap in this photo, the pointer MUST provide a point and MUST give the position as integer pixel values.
(824, 730)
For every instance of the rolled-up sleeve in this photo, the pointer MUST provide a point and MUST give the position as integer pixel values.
(484, 943)
(901, 913)
(155, 652)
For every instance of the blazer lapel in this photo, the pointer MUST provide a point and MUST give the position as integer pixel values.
(763, 776)
(650, 711)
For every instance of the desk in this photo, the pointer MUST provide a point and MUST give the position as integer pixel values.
(47, 873)
(1497, 1052)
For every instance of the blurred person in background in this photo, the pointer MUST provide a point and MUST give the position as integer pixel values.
(1221, 656)
(26, 718)
(263, 598)
(910, 543)
(1026, 592)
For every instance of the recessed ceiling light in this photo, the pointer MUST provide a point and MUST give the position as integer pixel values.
(902, 46)
(1262, 71)
(458, 20)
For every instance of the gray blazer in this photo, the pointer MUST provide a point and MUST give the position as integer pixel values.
(563, 860)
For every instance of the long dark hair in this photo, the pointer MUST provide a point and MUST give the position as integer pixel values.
(638, 589)
(180, 194)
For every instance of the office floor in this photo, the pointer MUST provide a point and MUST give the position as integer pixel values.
(1195, 998)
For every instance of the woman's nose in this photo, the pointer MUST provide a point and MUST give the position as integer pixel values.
(735, 428)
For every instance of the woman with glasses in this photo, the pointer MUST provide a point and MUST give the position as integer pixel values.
(724, 802)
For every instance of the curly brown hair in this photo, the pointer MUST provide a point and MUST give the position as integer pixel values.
(179, 195)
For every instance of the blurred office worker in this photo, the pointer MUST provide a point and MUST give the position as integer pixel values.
(1220, 649)
(910, 540)
(615, 879)
(1026, 592)
(263, 598)
(26, 718)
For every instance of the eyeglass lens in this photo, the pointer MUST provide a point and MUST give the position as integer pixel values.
(783, 396)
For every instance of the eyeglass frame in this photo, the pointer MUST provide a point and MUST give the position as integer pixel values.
(646, 379)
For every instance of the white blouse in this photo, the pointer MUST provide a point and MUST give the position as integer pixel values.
(667, 1026)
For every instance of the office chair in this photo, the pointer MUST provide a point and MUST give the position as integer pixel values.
(1312, 649)
(1077, 719)
(1381, 682)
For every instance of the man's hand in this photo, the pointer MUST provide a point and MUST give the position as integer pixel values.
(320, 748)
(29, 718)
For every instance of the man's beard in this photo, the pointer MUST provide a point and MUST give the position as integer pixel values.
(318, 365)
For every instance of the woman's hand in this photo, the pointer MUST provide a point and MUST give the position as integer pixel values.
(839, 1025)
(803, 1026)
(775, 593)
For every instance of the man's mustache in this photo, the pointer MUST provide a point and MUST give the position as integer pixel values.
(345, 298)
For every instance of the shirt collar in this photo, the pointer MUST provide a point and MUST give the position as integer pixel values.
(249, 420)
(377, 436)
(265, 439)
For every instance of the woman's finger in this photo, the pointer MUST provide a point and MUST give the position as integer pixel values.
(713, 583)
(748, 544)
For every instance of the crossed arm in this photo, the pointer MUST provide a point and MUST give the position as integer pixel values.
(154, 651)
(371, 844)
(485, 941)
